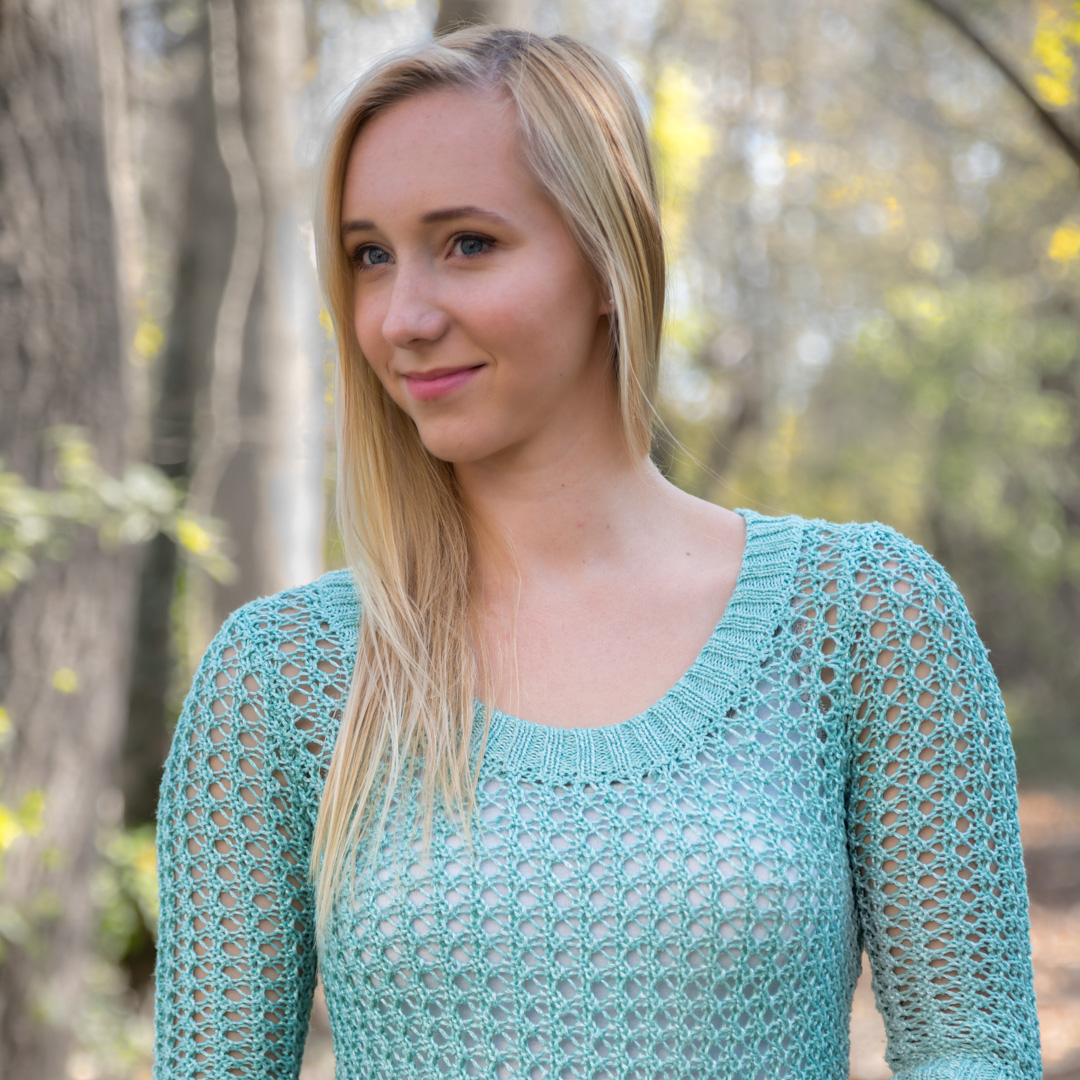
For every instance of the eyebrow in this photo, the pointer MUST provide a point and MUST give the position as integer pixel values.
(432, 217)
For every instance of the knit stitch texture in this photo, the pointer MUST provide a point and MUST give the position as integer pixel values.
(683, 894)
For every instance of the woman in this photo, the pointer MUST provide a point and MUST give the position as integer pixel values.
(816, 758)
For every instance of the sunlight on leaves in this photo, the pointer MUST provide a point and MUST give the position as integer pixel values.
(683, 140)
(1057, 35)
(27, 820)
(1065, 244)
(149, 337)
(38, 524)
(65, 680)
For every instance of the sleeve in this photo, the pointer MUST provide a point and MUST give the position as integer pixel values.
(236, 962)
(932, 826)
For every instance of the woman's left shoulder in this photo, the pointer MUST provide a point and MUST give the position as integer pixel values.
(856, 561)
(884, 579)
(864, 550)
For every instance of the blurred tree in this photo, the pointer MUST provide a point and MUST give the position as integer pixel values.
(454, 14)
(204, 242)
(259, 463)
(238, 414)
(1054, 85)
(64, 635)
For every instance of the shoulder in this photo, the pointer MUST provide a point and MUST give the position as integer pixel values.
(870, 568)
(329, 606)
(896, 598)
(274, 641)
(280, 666)
(858, 548)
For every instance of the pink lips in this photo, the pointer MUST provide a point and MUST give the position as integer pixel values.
(427, 385)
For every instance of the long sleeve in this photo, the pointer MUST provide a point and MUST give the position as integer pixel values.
(236, 959)
(932, 825)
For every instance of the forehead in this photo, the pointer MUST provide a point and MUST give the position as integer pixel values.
(444, 147)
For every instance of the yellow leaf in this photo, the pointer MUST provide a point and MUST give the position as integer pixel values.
(149, 337)
(65, 680)
(1054, 91)
(10, 827)
(1065, 244)
(895, 212)
(5, 722)
(1057, 30)
(194, 537)
(684, 140)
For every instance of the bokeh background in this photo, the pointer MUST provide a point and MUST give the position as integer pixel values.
(872, 212)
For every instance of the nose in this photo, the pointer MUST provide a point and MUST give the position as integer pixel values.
(413, 314)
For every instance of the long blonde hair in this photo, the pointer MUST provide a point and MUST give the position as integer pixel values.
(406, 536)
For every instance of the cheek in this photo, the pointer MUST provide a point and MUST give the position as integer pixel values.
(554, 329)
(545, 310)
(367, 323)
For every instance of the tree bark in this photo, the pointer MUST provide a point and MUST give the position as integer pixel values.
(455, 14)
(61, 362)
(260, 467)
(205, 244)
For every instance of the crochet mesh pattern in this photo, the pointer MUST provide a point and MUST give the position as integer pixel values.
(684, 894)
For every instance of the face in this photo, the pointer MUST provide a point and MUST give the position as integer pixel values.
(472, 303)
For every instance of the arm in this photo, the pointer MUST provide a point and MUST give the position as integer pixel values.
(235, 957)
(932, 826)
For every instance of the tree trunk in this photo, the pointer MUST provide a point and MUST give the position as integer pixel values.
(455, 14)
(61, 362)
(205, 244)
(261, 468)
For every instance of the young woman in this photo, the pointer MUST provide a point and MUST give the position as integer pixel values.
(573, 775)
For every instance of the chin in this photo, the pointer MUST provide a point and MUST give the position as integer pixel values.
(458, 447)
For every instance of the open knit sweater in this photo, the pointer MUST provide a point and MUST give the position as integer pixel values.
(683, 894)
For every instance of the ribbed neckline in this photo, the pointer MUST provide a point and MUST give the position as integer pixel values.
(671, 727)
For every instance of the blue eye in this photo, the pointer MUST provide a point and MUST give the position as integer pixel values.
(472, 245)
(368, 255)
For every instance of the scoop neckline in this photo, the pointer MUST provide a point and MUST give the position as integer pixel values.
(675, 724)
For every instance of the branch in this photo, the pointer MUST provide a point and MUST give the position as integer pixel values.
(1047, 118)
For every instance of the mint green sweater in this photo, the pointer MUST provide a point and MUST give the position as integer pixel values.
(683, 894)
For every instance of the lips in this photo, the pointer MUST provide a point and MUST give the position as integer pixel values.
(427, 385)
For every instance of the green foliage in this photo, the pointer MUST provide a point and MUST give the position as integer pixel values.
(954, 403)
(953, 416)
(36, 524)
(39, 524)
(16, 824)
(125, 891)
(113, 1026)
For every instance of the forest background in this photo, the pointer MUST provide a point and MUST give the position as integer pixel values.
(872, 212)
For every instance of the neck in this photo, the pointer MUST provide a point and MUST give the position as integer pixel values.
(556, 514)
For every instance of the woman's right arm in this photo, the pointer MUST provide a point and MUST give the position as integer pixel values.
(236, 959)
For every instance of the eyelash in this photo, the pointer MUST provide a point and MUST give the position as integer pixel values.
(356, 258)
